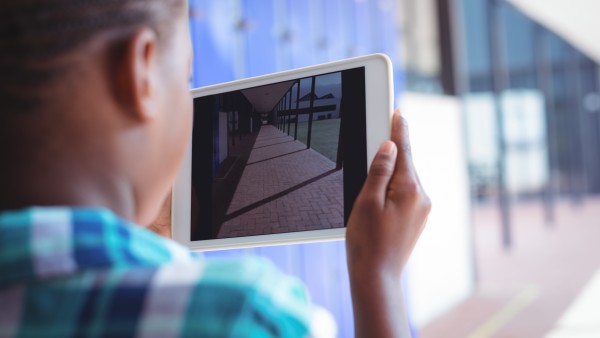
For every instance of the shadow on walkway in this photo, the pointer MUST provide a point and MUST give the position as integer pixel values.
(284, 187)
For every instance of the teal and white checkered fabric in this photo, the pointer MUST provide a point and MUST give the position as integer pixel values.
(87, 273)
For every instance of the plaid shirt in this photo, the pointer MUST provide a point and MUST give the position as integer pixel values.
(85, 272)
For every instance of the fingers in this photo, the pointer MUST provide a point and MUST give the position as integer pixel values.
(380, 173)
(404, 163)
(404, 185)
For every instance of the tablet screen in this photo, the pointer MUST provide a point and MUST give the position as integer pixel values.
(285, 157)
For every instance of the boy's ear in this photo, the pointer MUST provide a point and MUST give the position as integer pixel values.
(138, 75)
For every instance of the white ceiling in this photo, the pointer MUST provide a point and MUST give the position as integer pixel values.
(577, 21)
(266, 97)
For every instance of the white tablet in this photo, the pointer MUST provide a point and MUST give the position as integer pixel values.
(280, 158)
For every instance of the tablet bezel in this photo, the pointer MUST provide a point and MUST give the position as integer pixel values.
(379, 104)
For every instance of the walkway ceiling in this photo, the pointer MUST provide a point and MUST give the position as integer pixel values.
(266, 97)
(574, 20)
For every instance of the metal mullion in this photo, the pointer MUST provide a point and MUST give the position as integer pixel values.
(500, 84)
(544, 79)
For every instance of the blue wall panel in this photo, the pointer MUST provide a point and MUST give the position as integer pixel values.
(335, 37)
(261, 37)
(215, 39)
(303, 35)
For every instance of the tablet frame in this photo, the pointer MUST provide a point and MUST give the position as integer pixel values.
(379, 89)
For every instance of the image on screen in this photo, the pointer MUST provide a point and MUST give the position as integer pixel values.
(279, 158)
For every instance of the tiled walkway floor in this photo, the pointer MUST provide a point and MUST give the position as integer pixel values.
(284, 187)
(547, 285)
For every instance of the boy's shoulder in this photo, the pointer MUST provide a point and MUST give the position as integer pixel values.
(85, 269)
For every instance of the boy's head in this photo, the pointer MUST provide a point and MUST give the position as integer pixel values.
(94, 106)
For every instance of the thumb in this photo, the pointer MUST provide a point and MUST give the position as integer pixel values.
(380, 173)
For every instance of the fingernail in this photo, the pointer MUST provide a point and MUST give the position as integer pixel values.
(396, 115)
(388, 148)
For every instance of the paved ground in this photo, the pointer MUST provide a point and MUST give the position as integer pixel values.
(284, 187)
(537, 288)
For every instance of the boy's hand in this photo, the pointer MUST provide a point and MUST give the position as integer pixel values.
(390, 212)
(387, 219)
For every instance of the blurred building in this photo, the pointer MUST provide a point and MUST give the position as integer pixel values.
(548, 93)
(528, 86)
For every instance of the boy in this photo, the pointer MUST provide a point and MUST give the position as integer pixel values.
(95, 114)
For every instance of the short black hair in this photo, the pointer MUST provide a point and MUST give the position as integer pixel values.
(34, 33)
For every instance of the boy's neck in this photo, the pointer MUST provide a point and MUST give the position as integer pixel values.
(55, 180)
